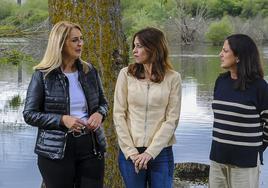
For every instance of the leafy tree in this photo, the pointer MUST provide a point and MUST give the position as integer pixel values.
(252, 8)
(143, 13)
(190, 7)
(219, 8)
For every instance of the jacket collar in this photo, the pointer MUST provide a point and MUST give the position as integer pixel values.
(78, 64)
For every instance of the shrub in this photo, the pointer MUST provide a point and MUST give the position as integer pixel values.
(6, 28)
(265, 27)
(218, 31)
(25, 18)
(36, 5)
(5, 9)
(15, 57)
(36, 17)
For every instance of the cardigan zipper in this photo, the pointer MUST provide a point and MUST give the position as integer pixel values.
(146, 110)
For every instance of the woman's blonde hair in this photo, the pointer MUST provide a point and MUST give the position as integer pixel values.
(53, 55)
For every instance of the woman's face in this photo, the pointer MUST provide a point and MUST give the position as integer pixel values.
(72, 47)
(228, 59)
(140, 54)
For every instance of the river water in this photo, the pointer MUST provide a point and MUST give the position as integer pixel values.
(199, 67)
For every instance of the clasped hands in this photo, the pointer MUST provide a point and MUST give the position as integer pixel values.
(140, 161)
(77, 125)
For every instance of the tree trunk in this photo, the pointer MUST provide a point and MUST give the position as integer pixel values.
(105, 47)
(19, 2)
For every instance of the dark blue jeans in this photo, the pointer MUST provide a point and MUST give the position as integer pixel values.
(159, 173)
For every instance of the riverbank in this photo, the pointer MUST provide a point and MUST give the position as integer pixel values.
(191, 175)
(187, 175)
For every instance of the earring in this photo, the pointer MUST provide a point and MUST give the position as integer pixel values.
(237, 60)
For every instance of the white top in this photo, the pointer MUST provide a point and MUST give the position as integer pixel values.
(78, 104)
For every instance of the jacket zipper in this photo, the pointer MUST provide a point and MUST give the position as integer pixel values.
(91, 132)
(68, 107)
(65, 138)
(146, 110)
(94, 143)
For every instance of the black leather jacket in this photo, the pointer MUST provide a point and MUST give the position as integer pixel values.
(48, 99)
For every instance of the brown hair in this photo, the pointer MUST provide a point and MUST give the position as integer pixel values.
(155, 44)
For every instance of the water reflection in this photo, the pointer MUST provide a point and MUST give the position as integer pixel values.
(195, 103)
(15, 102)
(17, 160)
(12, 94)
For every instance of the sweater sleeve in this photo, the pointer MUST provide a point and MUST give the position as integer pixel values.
(168, 127)
(216, 84)
(263, 103)
(120, 115)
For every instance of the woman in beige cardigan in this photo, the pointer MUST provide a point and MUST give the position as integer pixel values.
(147, 104)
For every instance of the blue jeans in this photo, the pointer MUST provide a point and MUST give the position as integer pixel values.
(159, 173)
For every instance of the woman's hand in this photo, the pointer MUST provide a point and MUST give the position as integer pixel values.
(142, 160)
(94, 121)
(133, 158)
(73, 123)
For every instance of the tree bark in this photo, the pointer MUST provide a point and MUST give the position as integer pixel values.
(19, 2)
(105, 47)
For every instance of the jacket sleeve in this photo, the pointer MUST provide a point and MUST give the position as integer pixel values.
(120, 115)
(103, 104)
(168, 127)
(33, 112)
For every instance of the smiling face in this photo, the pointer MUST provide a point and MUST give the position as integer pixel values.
(228, 59)
(140, 54)
(72, 48)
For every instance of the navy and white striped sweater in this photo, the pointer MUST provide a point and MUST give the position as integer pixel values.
(239, 131)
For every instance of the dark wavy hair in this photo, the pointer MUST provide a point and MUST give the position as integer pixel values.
(249, 67)
(155, 45)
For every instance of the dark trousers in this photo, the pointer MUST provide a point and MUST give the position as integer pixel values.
(79, 168)
(159, 173)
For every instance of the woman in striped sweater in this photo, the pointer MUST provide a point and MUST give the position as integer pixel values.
(240, 106)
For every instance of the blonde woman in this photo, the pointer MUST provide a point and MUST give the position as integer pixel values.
(65, 101)
(147, 104)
